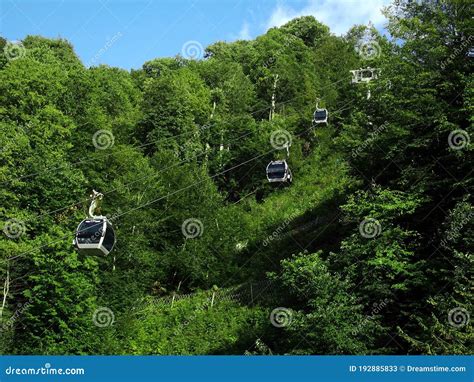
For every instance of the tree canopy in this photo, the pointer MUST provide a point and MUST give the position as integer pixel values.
(368, 251)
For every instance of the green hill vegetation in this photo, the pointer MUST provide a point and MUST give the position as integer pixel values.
(368, 251)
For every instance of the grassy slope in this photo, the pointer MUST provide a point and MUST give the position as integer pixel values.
(191, 326)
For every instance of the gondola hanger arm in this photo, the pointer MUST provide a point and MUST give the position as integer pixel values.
(96, 199)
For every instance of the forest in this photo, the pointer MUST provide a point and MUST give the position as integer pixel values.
(368, 250)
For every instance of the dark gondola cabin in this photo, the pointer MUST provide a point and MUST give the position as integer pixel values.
(320, 116)
(95, 237)
(278, 171)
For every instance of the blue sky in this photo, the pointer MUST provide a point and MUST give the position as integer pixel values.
(126, 33)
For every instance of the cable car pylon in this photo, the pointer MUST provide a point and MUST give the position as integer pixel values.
(278, 171)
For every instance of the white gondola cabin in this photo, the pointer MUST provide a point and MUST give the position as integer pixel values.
(279, 171)
(364, 75)
(320, 116)
(95, 236)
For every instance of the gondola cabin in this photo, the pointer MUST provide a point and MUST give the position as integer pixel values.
(95, 237)
(279, 171)
(320, 116)
(364, 75)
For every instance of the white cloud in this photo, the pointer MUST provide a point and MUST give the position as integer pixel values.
(339, 15)
(244, 33)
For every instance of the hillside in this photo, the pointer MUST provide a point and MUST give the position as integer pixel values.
(367, 251)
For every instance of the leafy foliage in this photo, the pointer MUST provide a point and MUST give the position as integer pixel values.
(191, 139)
